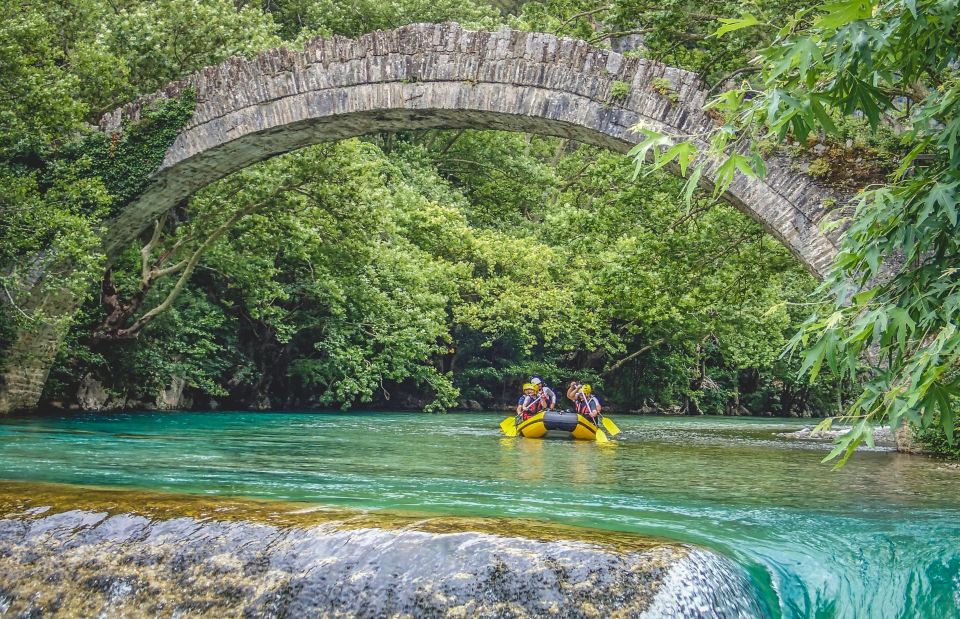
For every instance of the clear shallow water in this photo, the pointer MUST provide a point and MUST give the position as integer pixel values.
(880, 538)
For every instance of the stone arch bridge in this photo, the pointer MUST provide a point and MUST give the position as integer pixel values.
(422, 76)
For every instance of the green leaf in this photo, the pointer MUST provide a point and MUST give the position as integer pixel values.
(865, 296)
(867, 98)
(905, 163)
(823, 426)
(842, 13)
(948, 418)
(653, 141)
(691, 185)
(812, 360)
(821, 115)
(736, 23)
(683, 152)
(945, 196)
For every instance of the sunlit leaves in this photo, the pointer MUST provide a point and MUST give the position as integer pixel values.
(648, 148)
(733, 24)
(837, 14)
(894, 63)
(164, 40)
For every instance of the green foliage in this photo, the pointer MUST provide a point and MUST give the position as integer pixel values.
(301, 19)
(818, 168)
(675, 32)
(892, 291)
(163, 40)
(32, 66)
(124, 161)
(54, 210)
(661, 85)
(65, 61)
(377, 274)
(935, 438)
(619, 90)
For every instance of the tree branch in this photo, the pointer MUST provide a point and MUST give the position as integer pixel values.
(577, 16)
(723, 80)
(619, 364)
(146, 266)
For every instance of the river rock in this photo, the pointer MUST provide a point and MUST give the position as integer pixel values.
(261, 402)
(907, 442)
(92, 396)
(89, 563)
(172, 397)
(882, 437)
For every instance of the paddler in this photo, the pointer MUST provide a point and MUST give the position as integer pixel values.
(587, 404)
(547, 394)
(530, 403)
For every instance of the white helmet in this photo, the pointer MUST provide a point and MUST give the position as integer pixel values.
(536, 381)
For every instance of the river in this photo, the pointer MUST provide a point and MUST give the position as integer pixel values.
(879, 538)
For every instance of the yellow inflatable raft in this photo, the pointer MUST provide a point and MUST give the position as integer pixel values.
(558, 422)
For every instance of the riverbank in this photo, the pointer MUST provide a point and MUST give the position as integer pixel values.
(91, 395)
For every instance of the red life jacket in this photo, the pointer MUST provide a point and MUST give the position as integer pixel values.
(583, 402)
(531, 406)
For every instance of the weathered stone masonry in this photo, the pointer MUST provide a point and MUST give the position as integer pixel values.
(425, 76)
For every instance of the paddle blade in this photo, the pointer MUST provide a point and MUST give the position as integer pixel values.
(610, 426)
(509, 426)
(601, 437)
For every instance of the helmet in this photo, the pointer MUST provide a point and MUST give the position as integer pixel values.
(536, 381)
(587, 389)
(530, 386)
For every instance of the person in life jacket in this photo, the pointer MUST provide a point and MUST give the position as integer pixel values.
(547, 394)
(587, 404)
(530, 403)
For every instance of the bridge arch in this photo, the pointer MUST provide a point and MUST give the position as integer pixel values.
(441, 76)
(421, 76)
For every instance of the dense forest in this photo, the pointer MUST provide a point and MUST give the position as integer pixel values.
(432, 269)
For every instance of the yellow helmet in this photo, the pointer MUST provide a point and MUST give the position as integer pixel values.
(587, 389)
(529, 386)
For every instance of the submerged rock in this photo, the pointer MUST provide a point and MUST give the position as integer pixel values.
(883, 437)
(87, 563)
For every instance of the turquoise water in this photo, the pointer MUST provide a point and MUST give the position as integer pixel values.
(880, 538)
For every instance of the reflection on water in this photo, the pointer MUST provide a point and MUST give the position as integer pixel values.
(876, 539)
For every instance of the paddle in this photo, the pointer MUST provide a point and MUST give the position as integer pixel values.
(610, 426)
(600, 436)
(509, 425)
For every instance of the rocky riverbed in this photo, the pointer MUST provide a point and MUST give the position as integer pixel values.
(134, 556)
(882, 437)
